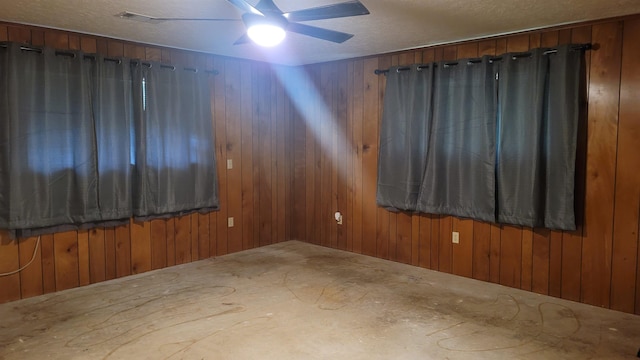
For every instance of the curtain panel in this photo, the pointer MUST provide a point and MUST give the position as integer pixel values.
(175, 165)
(493, 139)
(403, 148)
(537, 130)
(91, 141)
(459, 174)
(48, 167)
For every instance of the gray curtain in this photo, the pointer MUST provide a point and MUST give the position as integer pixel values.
(460, 174)
(496, 150)
(537, 130)
(403, 140)
(112, 113)
(71, 154)
(175, 158)
(48, 170)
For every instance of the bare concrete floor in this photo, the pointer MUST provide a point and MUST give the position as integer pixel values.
(299, 301)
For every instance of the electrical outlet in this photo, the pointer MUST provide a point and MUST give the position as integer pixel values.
(455, 237)
(338, 217)
(229, 164)
(230, 222)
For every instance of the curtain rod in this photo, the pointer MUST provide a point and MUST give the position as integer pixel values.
(93, 57)
(478, 60)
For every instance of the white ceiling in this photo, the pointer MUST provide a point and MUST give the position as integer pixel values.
(391, 26)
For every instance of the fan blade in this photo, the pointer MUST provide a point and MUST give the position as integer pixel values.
(349, 8)
(320, 33)
(154, 20)
(245, 7)
(242, 40)
(267, 6)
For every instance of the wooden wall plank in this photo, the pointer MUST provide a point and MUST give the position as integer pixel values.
(115, 48)
(387, 222)
(158, 236)
(462, 253)
(403, 240)
(495, 248)
(133, 51)
(9, 261)
(203, 236)
(74, 42)
(110, 253)
(171, 241)
(310, 154)
(511, 236)
(540, 261)
(97, 267)
(248, 216)
(152, 53)
(288, 161)
(233, 126)
(37, 37)
(435, 242)
(342, 174)
(48, 264)
(31, 276)
(88, 44)
(334, 161)
(604, 97)
(84, 277)
(445, 247)
(56, 39)
(358, 150)
(183, 239)
(415, 240)
(280, 162)
(317, 129)
(627, 191)
(265, 182)
(4, 35)
(210, 65)
(326, 143)
(102, 47)
(140, 246)
(449, 52)
(19, 34)
(555, 264)
(487, 47)
(194, 232)
(219, 120)
(122, 242)
(273, 165)
(351, 155)
(425, 241)
(65, 245)
(572, 240)
(369, 155)
(486, 243)
(511, 255)
(299, 203)
(481, 250)
(526, 273)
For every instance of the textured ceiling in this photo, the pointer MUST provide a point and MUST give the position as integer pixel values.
(391, 26)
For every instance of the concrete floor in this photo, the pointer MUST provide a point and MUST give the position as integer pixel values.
(299, 301)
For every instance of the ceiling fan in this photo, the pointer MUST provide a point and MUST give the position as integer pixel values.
(266, 24)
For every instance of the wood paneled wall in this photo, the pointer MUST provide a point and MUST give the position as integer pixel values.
(251, 117)
(293, 168)
(335, 169)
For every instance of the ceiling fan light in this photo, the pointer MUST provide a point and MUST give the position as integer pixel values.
(267, 35)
